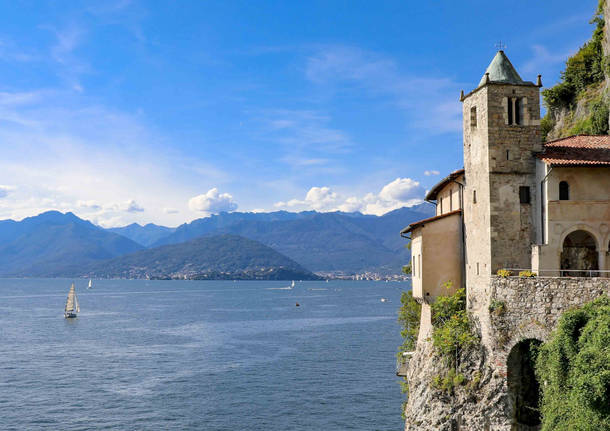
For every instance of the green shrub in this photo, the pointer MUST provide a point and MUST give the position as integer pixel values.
(599, 118)
(546, 125)
(408, 316)
(504, 273)
(574, 368)
(527, 274)
(406, 269)
(448, 382)
(497, 307)
(452, 331)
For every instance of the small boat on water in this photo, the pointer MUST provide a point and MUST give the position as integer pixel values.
(90, 284)
(292, 285)
(71, 304)
(384, 300)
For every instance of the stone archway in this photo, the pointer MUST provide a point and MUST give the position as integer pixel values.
(523, 387)
(579, 254)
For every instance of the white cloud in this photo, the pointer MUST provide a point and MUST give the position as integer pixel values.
(321, 198)
(132, 206)
(430, 173)
(61, 152)
(5, 190)
(212, 202)
(170, 211)
(90, 204)
(402, 192)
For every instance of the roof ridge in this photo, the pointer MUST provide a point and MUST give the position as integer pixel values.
(574, 136)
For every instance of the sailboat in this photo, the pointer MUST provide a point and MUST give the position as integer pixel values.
(90, 284)
(292, 285)
(71, 304)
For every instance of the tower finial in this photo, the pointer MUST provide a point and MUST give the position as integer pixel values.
(462, 96)
(539, 82)
(487, 78)
(500, 46)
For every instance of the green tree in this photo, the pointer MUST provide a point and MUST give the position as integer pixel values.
(452, 332)
(408, 317)
(574, 370)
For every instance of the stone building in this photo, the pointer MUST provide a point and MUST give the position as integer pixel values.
(518, 204)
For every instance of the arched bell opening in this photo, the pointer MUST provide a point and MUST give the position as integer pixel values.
(579, 257)
(523, 387)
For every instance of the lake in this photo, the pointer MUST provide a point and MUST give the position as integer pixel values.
(200, 355)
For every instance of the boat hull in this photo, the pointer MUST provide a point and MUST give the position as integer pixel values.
(69, 315)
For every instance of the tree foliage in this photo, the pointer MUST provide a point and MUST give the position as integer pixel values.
(408, 317)
(583, 69)
(574, 369)
(452, 332)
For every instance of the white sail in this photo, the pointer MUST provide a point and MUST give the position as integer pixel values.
(292, 285)
(90, 284)
(72, 301)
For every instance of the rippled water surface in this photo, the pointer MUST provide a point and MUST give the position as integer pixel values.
(199, 355)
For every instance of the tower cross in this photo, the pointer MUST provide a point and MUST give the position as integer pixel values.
(500, 46)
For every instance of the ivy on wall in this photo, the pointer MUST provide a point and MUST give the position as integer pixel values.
(574, 370)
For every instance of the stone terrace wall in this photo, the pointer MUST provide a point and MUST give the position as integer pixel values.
(532, 307)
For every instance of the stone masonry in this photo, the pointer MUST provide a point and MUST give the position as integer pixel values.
(531, 309)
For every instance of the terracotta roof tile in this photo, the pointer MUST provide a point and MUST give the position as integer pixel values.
(577, 151)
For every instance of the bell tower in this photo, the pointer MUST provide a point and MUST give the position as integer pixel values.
(501, 123)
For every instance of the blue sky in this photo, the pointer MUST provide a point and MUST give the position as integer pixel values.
(167, 111)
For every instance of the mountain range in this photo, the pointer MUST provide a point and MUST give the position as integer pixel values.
(214, 257)
(322, 242)
(51, 243)
(56, 244)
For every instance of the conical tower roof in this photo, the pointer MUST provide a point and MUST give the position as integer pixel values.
(501, 70)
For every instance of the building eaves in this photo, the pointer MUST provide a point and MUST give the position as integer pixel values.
(428, 220)
(433, 193)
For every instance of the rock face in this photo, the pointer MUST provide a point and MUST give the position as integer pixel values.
(498, 383)
(566, 118)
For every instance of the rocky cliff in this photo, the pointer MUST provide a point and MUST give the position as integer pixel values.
(579, 104)
(491, 386)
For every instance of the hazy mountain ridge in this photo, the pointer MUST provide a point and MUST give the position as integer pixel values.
(212, 257)
(145, 235)
(55, 244)
(48, 244)
(322, 242)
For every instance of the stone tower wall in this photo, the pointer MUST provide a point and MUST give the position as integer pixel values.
(512, 165)
(498, 159)
(476, 214)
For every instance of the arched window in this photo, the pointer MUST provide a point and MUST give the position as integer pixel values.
(579, 257)
(517, 111)
(473, 117)
(564, 191)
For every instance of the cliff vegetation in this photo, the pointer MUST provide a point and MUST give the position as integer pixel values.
(574, 368)
(579, 103)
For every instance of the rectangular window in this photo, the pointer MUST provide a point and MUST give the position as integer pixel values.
(517, 111)
(477, 268)
(441, 204)
(510, 110)
(451, 200)
(474, 196)
(419, 258)
(524, 194)
(413, 267)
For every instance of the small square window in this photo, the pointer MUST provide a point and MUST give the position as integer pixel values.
(524, 194)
